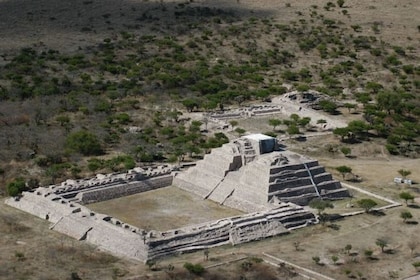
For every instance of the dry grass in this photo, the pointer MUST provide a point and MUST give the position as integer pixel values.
(163, 209)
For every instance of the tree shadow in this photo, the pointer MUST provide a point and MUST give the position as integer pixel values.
(390, 251)
(334, 226)
(351, 156)
(412, 222)
(378, 213)
(414, 206)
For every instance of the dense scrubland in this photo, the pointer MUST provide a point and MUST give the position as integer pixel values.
(121, 102)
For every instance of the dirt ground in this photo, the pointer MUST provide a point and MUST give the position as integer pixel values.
(163, 209)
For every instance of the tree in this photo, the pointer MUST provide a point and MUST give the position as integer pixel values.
(358, 128)
(346, 151)
(328, 106)
(389, 101)
(406, 215)
(196, 269)
(295, 117)
(54, 171)
(340, 3)
(343, 132)
(296, 244)
(343, 169)
(368, 253)
(367, 204)
(240, 131)
(233, 123)
(274, 123)
(349, 106)
(84, 142)
(404, 173)
(348, 248)
(151, 264)
(190, 104)
(320, 204)
(293, 129)
(206, 254)
(316, 259)
(406, 196)
(304, 121)
(15, 187)
(334, 258)
(382, 243)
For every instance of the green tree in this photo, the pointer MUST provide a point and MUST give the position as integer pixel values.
(328, 106)
(320, 204)
(382, 243)
(122, 118)
(84, 142)
(17, 186)
(348, 247)
(367, 204)
(206, 254)
(389, 102)
(151, 264)
(274, 123)
(340, 3)
(358, 128)
(368, 253)
(240, 131)
(190, 104)
(304, 121)
(406, 215)
(54, 171)
(345, 150)
(349, 106)
(343, 132)
(316, 259)
(233, 123)
(406, 196)
(343, 169)
(404, 173)
(334, 258)
(293, 129)
(196, 269)
(295, 117)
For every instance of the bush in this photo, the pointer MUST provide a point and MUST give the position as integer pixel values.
(16, 187)
(416, 265)
(84, 142)
(196, 269)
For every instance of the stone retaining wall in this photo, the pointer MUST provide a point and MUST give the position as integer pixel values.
(120, 190)
(124, 240)
(234, 230)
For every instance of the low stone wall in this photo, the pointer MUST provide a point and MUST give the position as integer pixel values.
(234, 230)
(120, 190)
(124, 240)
